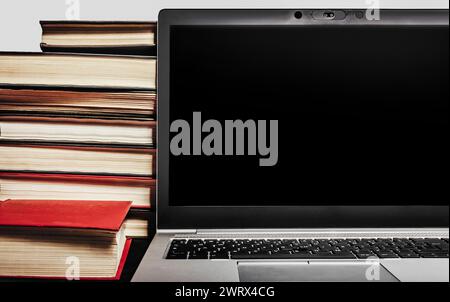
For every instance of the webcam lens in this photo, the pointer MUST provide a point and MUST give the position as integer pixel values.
(298, 15)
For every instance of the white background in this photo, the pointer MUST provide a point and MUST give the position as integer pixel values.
(19, 19)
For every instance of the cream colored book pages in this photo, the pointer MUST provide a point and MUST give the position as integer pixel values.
(31, 190)
(99, 38)
(79, 71)
(74, 161)
(41, 255)
(75, 133)
(136, 228)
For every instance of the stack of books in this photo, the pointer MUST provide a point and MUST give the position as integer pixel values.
(78, 122)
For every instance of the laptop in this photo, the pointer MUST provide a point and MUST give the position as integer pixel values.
(302, 145)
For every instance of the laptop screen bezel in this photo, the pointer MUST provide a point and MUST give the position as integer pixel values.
(277, 217)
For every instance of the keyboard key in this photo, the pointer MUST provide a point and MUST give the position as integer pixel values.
(409, 255)
(428, 251)
(366, 255)
(387, 255)
(434, 255)
(293, 256)
(220, 256)
(177, 256)
(198, 255)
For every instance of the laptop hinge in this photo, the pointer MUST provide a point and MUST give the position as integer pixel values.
(175, 231)
(358, 232)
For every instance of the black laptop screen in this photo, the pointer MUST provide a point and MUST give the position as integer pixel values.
(329, 116)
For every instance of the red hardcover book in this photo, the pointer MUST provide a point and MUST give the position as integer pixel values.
(39, 237)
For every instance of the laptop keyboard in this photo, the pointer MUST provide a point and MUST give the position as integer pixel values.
(192, 249)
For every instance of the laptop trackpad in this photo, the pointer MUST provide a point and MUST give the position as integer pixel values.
(313, 272)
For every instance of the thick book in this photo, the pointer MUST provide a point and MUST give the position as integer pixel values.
(141, 223)
(83, 103)
(138, 227)
(57, 239)
(77, 70)
(141, 191)
(82, 131)
(93, 160)
(107, 37)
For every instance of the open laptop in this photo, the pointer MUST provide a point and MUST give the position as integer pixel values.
(302, 145)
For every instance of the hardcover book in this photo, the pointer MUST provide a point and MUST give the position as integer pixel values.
(42, 239)
(77, 70)
(80, 103)
(118, 37)
(141, 191)
(83, 131)
(77, 160)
